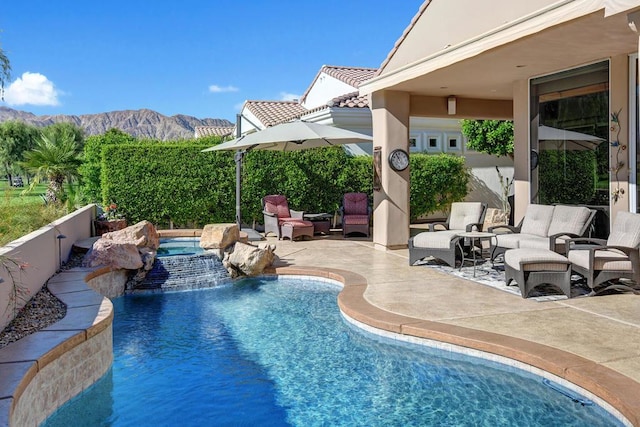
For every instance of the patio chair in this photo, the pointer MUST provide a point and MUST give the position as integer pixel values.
(441, 240)
(600, 261)
(356, 214)
(282, 221)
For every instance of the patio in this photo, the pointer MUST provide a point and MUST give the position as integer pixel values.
(604, 329)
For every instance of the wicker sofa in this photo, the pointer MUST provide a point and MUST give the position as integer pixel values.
(543, 227)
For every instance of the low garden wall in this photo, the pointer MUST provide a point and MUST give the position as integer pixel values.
(28, 262)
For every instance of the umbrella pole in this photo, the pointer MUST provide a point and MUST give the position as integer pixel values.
(238, 158)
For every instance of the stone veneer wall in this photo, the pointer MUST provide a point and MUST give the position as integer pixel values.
(63, 378)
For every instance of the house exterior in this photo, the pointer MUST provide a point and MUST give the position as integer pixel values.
(570, 65)
(333, 99)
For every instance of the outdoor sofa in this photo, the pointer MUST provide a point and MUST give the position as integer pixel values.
(543, 227)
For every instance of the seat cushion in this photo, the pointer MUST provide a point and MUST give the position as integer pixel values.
(610, 260)
(355, 219)
(278, 205)
(529, 241)
(537, 220)
(355, 204)
(435, 240)
(295, 222)
(509, 240)
(568, 219)
(464, 213)
(625, 230)
(535, 260)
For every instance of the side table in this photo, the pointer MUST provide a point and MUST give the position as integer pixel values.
(473, 236)
(321, 222)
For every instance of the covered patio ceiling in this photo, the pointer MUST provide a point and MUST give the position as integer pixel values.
(489, 73)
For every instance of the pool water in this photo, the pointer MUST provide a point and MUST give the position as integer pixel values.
(278, 352)
(179, 246)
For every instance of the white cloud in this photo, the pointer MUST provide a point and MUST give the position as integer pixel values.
(32, 89)
(220, 89)
(284, 96)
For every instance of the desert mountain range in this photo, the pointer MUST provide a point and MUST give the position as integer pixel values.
(139, 123)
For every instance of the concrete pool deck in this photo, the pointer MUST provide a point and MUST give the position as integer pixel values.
(593, 342)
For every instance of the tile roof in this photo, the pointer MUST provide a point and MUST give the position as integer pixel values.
(273, 112)
(350, 100)
(350, 75)
(202, 131)
(404, 35)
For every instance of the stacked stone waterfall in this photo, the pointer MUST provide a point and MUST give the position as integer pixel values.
(134, 249)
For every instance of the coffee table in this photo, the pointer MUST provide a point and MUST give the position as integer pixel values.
(473, 236)
(321, 222)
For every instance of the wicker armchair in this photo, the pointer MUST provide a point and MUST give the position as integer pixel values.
(600, 261)
(441, 241)
(356, 214)
(282, 221)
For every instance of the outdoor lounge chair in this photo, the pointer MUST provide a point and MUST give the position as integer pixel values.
(356, 214)
(600, 260)
(282, 221)
(543, 227)
(442, 244)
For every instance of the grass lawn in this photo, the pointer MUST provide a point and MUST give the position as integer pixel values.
(21, 214)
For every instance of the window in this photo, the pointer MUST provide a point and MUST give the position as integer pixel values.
(433, 143)
(453, 142)
(415, 142)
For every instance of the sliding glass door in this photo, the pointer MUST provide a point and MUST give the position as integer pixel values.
(570, 140)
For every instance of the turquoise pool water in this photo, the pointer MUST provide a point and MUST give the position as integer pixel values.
(278, 353)
(179, 246)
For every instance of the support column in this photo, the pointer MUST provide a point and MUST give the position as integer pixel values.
(521, 149)
(390, 113)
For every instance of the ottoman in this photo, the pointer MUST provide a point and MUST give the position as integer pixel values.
(533, 267)
(293, 228)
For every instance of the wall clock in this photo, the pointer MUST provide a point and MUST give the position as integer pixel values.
(398, 160)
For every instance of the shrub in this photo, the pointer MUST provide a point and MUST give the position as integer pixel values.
(436, 182)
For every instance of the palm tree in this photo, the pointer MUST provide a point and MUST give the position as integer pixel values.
(5, 72)
(56, 157)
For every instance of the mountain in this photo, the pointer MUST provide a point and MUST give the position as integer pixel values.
(139, 123)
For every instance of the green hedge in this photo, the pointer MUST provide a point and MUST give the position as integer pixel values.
(163, 182)
(567, 177)
(436, 182)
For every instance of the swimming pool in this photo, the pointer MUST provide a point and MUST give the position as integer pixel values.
(179, 246)
(278, 352)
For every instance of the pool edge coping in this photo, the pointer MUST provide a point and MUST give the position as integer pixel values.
(611, 386)
(95, 317)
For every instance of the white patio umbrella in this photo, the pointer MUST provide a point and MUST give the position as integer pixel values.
(572, 140)
(291, 136)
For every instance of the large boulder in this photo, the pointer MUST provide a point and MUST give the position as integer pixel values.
(132, 248)
(248, 260)
(142, 234)
(219, 236)
(113, 254)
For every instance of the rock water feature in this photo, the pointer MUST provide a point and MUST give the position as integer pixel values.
(183, 272)
(135, 248)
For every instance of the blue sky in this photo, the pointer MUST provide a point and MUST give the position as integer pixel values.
(200, 58)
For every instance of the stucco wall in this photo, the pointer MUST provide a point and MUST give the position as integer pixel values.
(32, 259)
